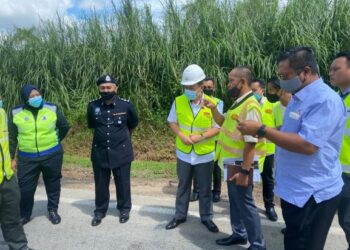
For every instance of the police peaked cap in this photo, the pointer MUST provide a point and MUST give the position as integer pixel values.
(106, 79)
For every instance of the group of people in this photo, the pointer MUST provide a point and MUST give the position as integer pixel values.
(30, 143)
(295, 124)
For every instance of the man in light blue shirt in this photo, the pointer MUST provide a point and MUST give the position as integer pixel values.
(308, 171)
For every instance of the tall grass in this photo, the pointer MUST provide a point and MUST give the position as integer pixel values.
(65, 59)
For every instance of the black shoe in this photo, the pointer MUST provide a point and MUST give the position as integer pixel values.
(24, 220)
(96, 220)
(283, 230)
(174, 223)
(123, 217)
(194, 196)
(256, 248)
(54, 217)
(216, 197)
(271, 214)
(232, 240)
(211, 226)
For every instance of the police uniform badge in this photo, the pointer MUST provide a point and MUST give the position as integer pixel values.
(108, 78)
(97, 111)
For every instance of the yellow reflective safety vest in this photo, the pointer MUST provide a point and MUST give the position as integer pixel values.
(278, 111)
(36, 137)
(5, 158)
(231, 143)
(217, 101)
(190, 124)
(269, 120)
(345, 150)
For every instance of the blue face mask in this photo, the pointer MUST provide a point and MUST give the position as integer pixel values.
(291, 85)
(35, 101)
(191, 94)
(257, 97)
(1, 104)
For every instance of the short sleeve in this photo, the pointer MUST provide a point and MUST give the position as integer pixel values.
(172, 114)
(317, 126)
(252, 115)
(221, 107)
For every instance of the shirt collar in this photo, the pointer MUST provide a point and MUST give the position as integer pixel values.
(262, 100)
(307, 90)
(114, 103)
(346, 91)
(242, 97)
(200, 101)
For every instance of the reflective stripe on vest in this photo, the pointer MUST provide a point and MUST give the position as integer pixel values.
(345, 150)
(36, 136)
(231, 144)
(188, 124)
(5, 158)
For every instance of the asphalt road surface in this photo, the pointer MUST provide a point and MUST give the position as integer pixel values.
(145, 229)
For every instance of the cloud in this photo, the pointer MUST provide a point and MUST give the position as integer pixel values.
(93, 4)
(29, 13)
(25, 14)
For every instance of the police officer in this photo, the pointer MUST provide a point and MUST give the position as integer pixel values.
(11, 227)
(37, 128)
(113, 120)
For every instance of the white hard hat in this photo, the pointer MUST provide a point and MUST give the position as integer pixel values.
(192, 74)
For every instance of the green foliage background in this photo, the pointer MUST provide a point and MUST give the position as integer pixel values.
(148, 56)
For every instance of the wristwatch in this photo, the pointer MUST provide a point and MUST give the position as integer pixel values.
(245, 171)
(261, 131)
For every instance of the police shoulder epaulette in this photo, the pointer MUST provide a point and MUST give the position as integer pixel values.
(93, 100)
(125, 100)
(17, 109)
(50, 106)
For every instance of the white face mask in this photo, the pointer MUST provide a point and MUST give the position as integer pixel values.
(1, 104)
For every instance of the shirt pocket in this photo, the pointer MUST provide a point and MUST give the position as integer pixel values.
(292, 122)
(119, 120)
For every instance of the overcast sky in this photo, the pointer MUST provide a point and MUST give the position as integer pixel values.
(28, 13)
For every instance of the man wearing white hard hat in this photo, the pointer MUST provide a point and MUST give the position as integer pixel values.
(195, 131)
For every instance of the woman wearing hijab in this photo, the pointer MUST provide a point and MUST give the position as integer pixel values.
(36, 129)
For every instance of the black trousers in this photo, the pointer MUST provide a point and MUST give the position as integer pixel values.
(11, 227)
(344, 208)
(28, 171)
(268, 181)
(102, 178)
(216, 180)
(307, 227)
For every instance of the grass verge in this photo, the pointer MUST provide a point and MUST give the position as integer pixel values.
(139, 169)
